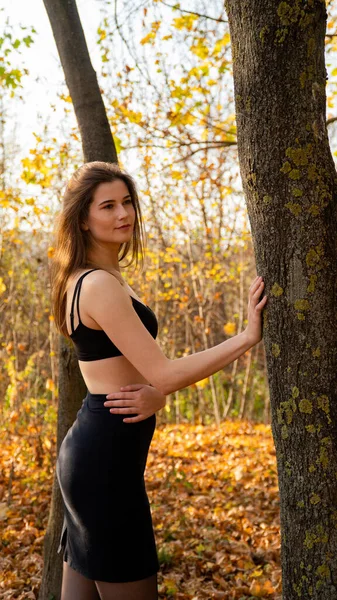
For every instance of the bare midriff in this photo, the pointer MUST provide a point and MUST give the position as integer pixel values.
(109, 374)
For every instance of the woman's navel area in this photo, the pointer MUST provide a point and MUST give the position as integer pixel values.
(108, 375)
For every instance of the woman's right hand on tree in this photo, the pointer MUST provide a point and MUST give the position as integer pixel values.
(255, 308)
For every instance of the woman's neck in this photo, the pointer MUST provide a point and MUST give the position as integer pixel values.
(107, 267)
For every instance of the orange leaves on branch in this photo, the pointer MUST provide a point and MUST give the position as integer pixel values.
(230, 328)
(65, 98)
(50, 385)
(149, 38)
(185, 22)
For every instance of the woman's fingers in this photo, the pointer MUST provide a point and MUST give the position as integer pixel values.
(117, 395)
(135, 419)
(117, 402)
(124, 411)
(252, 285)
(254, 288)
(256, 293)
(132, 386)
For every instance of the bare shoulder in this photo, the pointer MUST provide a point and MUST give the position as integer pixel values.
(102, 289)
(92, 275)
(101, 279)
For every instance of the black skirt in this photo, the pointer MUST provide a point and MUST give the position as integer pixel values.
(107, 532)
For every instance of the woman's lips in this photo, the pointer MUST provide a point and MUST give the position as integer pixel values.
(124, 227)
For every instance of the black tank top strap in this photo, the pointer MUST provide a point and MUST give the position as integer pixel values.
(77, 291)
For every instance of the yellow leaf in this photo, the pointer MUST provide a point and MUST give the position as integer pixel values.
(257, 573)
(202, 383)
(2, 286)
(185, 22)
(50, 384)
(200, 49)
(221, 43)
(3, 511)
(148, 38)
(66, 98)
(229, 328)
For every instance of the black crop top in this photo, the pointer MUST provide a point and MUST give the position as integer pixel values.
(95, 344)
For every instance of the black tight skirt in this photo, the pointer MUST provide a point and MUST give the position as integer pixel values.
(107, 532)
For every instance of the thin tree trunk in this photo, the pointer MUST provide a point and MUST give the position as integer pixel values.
(251, 401)
(236, 362)
(202, 319)
(242, 409)
(71, 389)
(81, 79)
(290, 184)
(97, 144)
(177, 407)
(267, 407)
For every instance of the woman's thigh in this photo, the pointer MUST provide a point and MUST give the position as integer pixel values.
(144, 589)
(75, 585)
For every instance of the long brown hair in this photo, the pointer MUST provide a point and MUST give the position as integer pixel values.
(72, 243)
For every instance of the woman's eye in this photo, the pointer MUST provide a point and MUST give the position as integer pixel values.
(111, 205)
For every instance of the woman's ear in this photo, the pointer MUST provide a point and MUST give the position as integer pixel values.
(84, 226)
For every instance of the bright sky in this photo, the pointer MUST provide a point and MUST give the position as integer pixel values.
(43, 63)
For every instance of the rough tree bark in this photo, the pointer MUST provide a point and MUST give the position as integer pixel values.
(290, 184)
(97, 144)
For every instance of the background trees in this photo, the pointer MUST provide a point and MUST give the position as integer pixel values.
(166, 81)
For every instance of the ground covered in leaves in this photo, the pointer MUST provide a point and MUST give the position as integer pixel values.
(215, 508)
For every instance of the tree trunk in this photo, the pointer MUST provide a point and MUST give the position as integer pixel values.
(97, 141)
(71, 390)
(235, 364)
(290, 184)
(243, 397)
(97, 144)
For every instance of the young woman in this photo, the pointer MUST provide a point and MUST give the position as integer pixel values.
(107, 536)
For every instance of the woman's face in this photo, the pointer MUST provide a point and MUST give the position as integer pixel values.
(110, 209)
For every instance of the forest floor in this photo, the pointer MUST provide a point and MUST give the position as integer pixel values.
(214, 501)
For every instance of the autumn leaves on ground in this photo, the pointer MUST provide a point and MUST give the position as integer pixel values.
(214, 500)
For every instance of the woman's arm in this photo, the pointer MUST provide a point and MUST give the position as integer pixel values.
(104, 300)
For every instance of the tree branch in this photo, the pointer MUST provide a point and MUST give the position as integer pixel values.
(193, 12)
(331, 120)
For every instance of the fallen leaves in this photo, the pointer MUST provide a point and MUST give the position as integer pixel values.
(215, 508)
(214, 502)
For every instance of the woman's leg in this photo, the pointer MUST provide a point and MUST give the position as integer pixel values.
(143, 589)
(75, 585)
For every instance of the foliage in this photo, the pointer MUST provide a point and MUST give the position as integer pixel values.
(11, 75)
